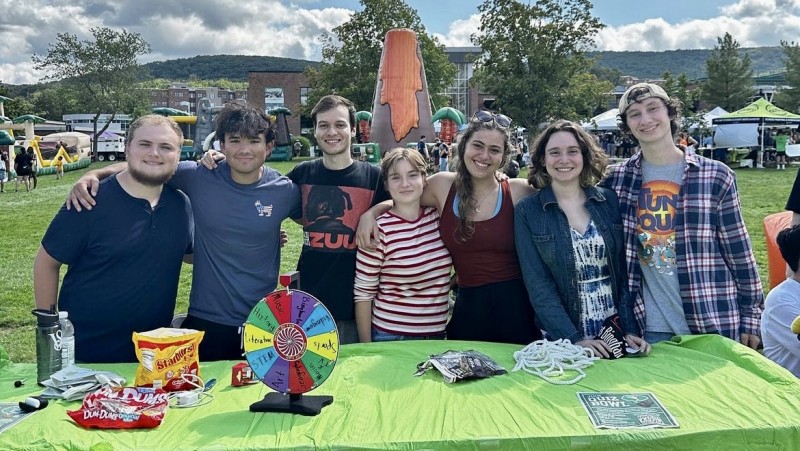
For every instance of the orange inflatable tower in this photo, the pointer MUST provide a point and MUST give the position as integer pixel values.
(773, 224)
(401, 111)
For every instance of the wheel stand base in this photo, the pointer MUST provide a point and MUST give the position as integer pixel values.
(295, 404)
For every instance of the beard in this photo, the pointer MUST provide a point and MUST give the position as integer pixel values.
(150, 180)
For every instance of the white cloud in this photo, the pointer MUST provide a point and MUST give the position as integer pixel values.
(761, 8)
(291, 28)
(459, 32)
(174, 29)
(752, 23)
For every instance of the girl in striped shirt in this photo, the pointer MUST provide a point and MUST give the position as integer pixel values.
(401, 287)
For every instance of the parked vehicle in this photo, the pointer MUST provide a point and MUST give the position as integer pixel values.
(111, 149)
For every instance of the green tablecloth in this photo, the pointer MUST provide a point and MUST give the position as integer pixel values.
(723, 395)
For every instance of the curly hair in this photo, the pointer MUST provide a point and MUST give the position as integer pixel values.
(674, 107)
(463, 182)
(245, 120)
(594, 159)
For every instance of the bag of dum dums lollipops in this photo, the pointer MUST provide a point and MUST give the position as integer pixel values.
(122, 408)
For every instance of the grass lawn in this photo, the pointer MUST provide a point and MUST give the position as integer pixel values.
(24, 217)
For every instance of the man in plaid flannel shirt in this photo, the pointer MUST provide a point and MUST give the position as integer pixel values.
(690, 263)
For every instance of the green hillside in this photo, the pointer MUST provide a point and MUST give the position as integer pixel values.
(638, 64)
(690, 62)
(232, 67)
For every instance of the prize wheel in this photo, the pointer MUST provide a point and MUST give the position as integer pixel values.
(290, 341)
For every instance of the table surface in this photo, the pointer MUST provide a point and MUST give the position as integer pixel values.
(722, 394)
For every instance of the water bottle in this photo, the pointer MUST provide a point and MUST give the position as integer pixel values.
(48, 344)
(67, 340)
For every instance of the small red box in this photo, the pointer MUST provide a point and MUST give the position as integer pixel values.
(241, 374)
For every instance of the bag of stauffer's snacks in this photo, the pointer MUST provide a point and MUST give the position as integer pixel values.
(165, 354)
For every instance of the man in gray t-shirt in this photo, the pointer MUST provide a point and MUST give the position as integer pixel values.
(656, 235)
(688, 253)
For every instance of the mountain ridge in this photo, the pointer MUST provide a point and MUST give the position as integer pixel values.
(639, 64)
(691, 62)
(643, 65)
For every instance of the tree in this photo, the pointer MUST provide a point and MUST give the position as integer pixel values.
(17, 106)
(101, 74)
(730, 77)
(351, 55)
(54, 102)
(531, 54)
(583, 96)
(680, 87)
(789, 98)
(610, 74)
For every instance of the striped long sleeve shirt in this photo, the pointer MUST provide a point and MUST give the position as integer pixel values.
(407, 276)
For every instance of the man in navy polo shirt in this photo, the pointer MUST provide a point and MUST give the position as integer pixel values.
(124, 256)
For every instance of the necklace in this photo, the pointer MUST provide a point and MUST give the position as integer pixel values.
(479, 203)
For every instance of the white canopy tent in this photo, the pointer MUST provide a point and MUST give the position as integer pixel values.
(736, 135)
(711, 115)
(603, 121)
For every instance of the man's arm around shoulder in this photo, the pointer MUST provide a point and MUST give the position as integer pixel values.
(85, 189)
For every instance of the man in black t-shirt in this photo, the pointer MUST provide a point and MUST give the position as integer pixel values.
(336, 191)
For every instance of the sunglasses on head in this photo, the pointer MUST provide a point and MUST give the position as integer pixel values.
(487, 116)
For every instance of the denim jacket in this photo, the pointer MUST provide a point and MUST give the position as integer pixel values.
(544, 246)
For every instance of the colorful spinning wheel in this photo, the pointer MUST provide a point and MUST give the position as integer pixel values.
(291, 341)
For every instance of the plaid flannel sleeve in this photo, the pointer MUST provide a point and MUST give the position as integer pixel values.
(737, 252)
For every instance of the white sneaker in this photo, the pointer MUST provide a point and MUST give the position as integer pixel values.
(760, 166)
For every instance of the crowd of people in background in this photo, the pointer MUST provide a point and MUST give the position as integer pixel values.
(616, 144)
(24, 170)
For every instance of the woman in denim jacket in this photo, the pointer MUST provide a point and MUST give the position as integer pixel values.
(569, 242)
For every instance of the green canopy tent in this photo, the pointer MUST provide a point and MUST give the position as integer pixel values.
(760, 112)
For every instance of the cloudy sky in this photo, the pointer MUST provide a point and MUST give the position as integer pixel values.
(185, 28)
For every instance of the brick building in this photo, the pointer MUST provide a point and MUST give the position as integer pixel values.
(183, 97)
(272, 89)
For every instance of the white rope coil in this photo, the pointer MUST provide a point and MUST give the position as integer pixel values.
(550, 359)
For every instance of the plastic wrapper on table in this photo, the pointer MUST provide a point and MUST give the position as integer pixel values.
(460, 365)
